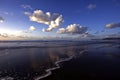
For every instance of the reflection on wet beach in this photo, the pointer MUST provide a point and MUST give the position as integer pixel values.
(26, 63)
(38, 62)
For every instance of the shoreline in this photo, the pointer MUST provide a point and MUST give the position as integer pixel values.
(49, 71)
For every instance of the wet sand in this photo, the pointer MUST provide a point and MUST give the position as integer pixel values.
(66, 62)
(98, 62)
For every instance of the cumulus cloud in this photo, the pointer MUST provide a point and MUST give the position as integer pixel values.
(5, 35)
(1, 19)
(46, 30)
(26, 7)
(53, 21)
(112, 25)
(32, 28)
(61, 30)
(72, 29)
(91, 6)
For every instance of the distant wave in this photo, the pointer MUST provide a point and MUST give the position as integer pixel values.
(16, 45)
(49, 71)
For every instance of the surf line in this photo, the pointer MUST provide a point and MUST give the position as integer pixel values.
(49, 71)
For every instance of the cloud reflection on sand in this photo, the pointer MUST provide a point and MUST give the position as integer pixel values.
(37, 62)
(30, 62)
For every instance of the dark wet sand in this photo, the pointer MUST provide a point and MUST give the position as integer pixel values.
(94, 61)
(97, 63)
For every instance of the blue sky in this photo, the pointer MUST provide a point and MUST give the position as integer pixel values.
(93, 14)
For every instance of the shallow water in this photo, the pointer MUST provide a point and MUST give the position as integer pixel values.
(97, 62)
(36, 60)
(31, 62)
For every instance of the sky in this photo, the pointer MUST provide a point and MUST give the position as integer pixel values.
(59, 19)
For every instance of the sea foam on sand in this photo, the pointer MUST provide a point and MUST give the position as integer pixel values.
(49, 71)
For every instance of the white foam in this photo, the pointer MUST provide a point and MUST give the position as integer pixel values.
(49, 71)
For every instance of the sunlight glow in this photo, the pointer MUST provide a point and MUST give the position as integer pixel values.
(9, 32)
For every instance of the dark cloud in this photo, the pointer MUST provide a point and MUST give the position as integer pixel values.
(87, 35)
(1, 19)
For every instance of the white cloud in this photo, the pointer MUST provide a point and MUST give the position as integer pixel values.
(32, 28)
(91, 6)
(26, 7)
(53, 21)
(72, 29)
(1, 19)
(61, 30)
(26, 31)
(27, 13)
(112, 25)
(4, 35)
(46, 30)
